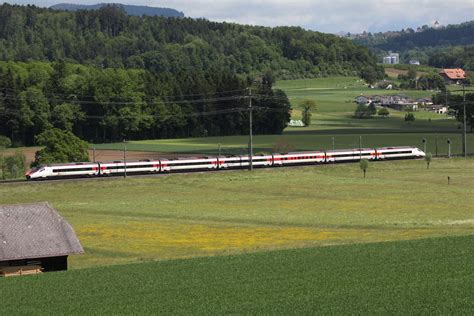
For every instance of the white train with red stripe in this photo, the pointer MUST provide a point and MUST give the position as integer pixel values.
(93, 169)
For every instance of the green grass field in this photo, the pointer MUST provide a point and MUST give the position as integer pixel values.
(281, 240)
(430, 276)
(188, 215)
(296, 140)
(333, 118)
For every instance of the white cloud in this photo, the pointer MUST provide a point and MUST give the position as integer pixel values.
(321, 15)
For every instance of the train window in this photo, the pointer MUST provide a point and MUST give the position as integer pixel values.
(73, 169)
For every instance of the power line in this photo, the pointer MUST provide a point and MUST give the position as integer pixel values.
(230, 98)
(124, 96)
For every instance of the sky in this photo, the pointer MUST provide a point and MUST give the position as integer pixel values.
(329, 16)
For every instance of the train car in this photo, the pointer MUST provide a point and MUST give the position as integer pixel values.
(183, 164)
(257, 161)
(230, 162)
(399, 152)
(119, 167)
(80, 169)
(355, 154)
(294, 158)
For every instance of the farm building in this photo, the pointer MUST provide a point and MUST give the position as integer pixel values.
(34, 238)
(453, 76)
(440, 109)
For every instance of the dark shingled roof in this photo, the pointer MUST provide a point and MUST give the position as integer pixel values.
(34, 231)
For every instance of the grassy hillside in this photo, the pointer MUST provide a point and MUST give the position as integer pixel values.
(431, 276)
(182, 216)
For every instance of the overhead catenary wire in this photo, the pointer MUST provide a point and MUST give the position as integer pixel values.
(91, 102)
(127, 96)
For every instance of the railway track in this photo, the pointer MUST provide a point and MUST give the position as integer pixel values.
(116, 177)
(148, 175)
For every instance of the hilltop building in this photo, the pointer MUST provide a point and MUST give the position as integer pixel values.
(34, 238)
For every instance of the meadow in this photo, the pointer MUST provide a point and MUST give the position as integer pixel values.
(429, 276)
(333, 119)
(216, 213)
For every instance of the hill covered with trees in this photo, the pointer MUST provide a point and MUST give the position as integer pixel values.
(444, 47)
(137, 10)
(109, 38)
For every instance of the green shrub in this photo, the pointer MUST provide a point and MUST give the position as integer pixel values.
(364, 165)
(383, 112)
(5, 142)
(409, 117)
(12, 167)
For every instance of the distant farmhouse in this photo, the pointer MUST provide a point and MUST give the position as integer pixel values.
(392, 59)
(438, 108)
(34, 238)
(453, 76)
(414, 62)
(397, 102)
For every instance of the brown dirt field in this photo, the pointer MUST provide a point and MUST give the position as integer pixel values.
(101, 155)
(393, 73)
(111, 155)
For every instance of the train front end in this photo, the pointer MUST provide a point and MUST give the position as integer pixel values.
(40, 172)
(418, 152)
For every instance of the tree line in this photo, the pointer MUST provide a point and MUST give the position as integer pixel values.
(103, 105)
(108, 38)
(456, 104)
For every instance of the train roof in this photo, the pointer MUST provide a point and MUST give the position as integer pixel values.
(71, 164)
(301, 152)
(395, 147)
(351, 149)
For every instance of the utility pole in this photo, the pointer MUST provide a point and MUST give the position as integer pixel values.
(449, 148)
(464, 138)
(360, 147)
(333, 144)
(219, 149)
(124, 159)
(93, 154)
(250, 131)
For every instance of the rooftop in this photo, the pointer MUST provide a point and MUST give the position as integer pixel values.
(36, 230)
(454, 74)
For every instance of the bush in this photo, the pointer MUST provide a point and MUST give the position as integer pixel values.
(428, 158)
(364, 165)
(5, 142)
(12, 167)
(371, 109)
(383, 112)
(60, 146)
(362, 112)
(409, 117)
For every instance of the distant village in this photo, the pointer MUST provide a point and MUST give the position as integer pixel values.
(405, 103)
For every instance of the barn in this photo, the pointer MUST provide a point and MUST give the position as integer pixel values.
(34, 238)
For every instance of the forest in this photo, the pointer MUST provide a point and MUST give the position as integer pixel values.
(108, 38)
(106, 76)
(102, 105)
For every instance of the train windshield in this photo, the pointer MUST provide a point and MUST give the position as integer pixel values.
(37, 169)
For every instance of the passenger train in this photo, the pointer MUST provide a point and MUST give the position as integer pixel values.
(95, 169)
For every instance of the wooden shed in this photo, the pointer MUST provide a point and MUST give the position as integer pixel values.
(33, 238)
